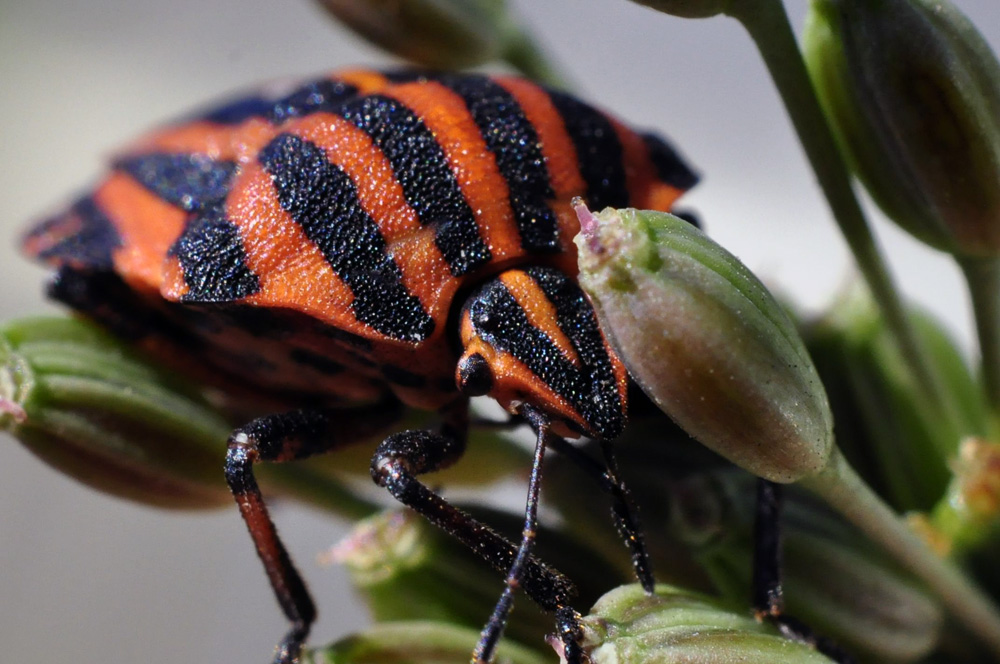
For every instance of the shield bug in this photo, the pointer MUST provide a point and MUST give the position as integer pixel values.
(365, 242)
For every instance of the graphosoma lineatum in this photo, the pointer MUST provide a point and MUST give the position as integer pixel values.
(378, 240)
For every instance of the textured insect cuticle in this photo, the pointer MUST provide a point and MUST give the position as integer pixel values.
(325, 264)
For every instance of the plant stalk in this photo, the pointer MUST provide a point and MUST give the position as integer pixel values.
(983, 278)
(768, 25)
(844, 490)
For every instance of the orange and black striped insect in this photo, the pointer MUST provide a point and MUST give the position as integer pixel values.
(366, 242)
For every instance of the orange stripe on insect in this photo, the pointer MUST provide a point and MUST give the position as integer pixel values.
(366, 80)
(645, 190)
(292, 271)
(425, 273)
(238, 142)
(560, 160)
(557, 147)
(514, 382)
(475, 168)
(540, 310)
(49, 235)
(147, 225)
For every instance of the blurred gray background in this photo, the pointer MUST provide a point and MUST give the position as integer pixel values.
(84, 578)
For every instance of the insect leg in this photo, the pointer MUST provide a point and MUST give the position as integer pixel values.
(286, 437)
(767, 596)
(402, 457)
(624, 512)
(498, 621)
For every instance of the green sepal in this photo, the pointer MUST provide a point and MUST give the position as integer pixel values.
(407, 569)
(99, 413)
(898, 444)
(675, 626)
(706, 341)
(687, 8)
(415, 642)
(445, 34)
(94, 409)
(886, 616)
(913, 92)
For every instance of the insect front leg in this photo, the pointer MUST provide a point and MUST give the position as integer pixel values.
(498, 620)
(287, 437)
(402, 457)
(622, 509)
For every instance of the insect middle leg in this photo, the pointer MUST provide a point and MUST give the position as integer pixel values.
(402, 457)
(287, 437)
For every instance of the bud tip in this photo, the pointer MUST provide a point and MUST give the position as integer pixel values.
(588, 225)
(8, 407)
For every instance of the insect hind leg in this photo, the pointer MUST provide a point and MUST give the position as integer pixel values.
(286, 437)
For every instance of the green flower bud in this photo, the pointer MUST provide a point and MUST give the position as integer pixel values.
(706, 341)
(965, 525)
(97, 411)
(968, 515)
(407, 569)
(80, 402)
(687, 8)
(886, 616)
(900, 446)
(418, 642)
(435, 33)
(913, 92)
(678, 626)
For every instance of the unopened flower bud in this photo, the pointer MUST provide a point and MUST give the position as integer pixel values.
(913, 91)
(706, 341)
(95, 411)
(416, 642)
(967, 517)
(886, 617)
(408, 569)
(675, 626)
(435, 33)
(885, 430)
(965, 525)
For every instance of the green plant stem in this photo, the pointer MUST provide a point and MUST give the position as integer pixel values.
(983, 278)
(844, 490)
(523, 53)
(768, 25)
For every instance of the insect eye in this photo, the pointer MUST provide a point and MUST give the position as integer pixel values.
(482, 319)
(475, 378)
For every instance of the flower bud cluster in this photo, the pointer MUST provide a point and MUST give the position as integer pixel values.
(913, 92)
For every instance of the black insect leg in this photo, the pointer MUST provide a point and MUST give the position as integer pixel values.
(286, 437)
(404, 456)
(498, 621)
(624, 512)
(627, 519)
(768, 600)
